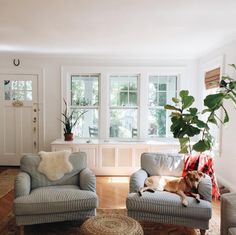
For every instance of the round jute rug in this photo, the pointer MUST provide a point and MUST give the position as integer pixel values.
(111, 224)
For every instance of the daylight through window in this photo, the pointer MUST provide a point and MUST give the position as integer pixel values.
(160, 92)
(85, 96)
(123, 106)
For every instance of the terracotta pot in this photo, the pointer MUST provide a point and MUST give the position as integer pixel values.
(68, 136)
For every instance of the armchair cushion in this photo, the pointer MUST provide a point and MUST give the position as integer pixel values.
(87, 180)
(168, 204)
(55, 199)
(22, 184)
(163, 164)
(205, 188)
(228, 213)
(29, 164)
(137, 180)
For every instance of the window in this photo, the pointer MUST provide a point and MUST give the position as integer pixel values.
(85, 96)
(161, 89)
(123, 106)
(18, 90)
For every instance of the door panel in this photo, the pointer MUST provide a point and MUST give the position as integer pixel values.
(18, 117)
(27, 137)
(9, 131)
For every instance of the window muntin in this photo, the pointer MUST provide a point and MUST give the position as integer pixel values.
(123, 106)
(18, 90)
(161, 89)
(85, 96)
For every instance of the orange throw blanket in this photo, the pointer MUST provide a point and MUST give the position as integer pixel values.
(204, 163)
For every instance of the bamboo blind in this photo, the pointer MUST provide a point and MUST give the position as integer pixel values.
(212, 78)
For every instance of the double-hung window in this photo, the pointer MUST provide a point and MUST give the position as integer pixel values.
(124, 107)
(161, 89)
(84, 96)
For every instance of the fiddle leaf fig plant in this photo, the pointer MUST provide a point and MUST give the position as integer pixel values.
(185, 118)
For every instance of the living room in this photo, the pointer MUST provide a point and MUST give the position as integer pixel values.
(119, 62)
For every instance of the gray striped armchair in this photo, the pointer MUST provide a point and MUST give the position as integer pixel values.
(39, 200)
(228, 214)
(166, 207)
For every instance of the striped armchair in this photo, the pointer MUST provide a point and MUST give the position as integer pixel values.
(228, 214)
(39, 200)
(166, 207)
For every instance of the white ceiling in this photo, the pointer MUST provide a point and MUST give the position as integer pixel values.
(142, 28)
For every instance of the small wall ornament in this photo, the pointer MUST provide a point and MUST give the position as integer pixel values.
(16, 62)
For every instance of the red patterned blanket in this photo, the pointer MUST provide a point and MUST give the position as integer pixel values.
(204, 163)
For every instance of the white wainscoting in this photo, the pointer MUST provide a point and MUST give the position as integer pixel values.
(114, 157)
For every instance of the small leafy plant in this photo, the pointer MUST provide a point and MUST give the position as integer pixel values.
(185, 118)
(69, 120)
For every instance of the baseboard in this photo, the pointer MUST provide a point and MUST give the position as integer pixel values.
(226, 183)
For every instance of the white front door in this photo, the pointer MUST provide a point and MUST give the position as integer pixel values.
(18, 117)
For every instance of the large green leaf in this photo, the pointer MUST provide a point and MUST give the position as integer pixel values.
(200, 123)
(177, 114)
(202, 145)
(214, 101)
(171, 107)
(232, 85)
(175, 100)
(183, 93)
(205, 111)
(192, 131)
(193, 111)
(187, 101)
(226, 118)
(212, 119)
(177, 123)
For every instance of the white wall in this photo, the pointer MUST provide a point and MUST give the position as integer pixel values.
(51, 66)
(225, 164)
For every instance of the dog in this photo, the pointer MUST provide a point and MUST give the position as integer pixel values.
(178, 185)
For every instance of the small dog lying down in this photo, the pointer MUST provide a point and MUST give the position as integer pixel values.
(178, 185)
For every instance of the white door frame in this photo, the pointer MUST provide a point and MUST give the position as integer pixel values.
(40, 73)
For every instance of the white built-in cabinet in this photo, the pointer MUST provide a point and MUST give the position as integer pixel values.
(113, 157)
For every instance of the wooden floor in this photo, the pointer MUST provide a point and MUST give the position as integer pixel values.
(112, 191)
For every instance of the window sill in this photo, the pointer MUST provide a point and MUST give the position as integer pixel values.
(112, 142)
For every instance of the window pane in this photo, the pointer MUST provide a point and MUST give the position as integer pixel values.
(28, 95)
(123, 91)
(84, 90)
(87, 121)
(122, 121)
(162, 96)
(157, 123)
(18, 90)
(161, 91)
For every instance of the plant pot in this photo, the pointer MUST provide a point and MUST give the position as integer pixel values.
(68, 136)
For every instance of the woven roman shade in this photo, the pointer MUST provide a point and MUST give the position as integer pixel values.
(212, 78)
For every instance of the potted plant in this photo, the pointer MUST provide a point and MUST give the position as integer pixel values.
(193, 133)
(69, 121)
(186, 123)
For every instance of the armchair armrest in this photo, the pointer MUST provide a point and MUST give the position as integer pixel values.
(87, 180)
(228, 212)
(205, 188)
(137, 180)
(22, 184)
